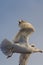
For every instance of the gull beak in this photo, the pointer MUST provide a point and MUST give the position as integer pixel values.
(41, 51)
(38, 50)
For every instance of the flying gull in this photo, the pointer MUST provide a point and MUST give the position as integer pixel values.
(20, 43)
(26, 29)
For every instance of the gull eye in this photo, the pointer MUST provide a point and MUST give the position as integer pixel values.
(32, 46)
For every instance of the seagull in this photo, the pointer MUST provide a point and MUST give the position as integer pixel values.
(20, 43)
(26, 29)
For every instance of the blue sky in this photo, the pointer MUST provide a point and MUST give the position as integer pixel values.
(10, 12)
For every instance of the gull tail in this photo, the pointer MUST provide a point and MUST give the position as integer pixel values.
(23, 59)
(6, 48)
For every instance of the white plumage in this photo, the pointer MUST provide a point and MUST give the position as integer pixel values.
(20, 43)
(26, 29)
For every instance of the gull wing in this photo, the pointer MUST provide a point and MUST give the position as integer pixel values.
(23, 59)
(25, 24)
(26, 29)
(23, 35)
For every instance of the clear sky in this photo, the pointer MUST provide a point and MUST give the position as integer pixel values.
(10, 12)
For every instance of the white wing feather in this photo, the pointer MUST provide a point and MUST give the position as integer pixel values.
(22, 37)
(23, 59)
(25, 30)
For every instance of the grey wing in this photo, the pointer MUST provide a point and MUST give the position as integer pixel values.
(22, 35)
(23, 59)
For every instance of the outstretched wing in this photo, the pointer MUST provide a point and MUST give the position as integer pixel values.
(23, 35)
(23, 59)
(25, 24)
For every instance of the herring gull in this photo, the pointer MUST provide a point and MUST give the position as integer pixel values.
(20, 43)
(26, 29)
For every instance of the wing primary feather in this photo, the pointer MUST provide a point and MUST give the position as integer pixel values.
(22, 35)
(23, 59)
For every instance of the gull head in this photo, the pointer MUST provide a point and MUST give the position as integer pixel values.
(34, 49)
(32, 45)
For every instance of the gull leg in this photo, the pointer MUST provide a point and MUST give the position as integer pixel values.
(10, 54)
